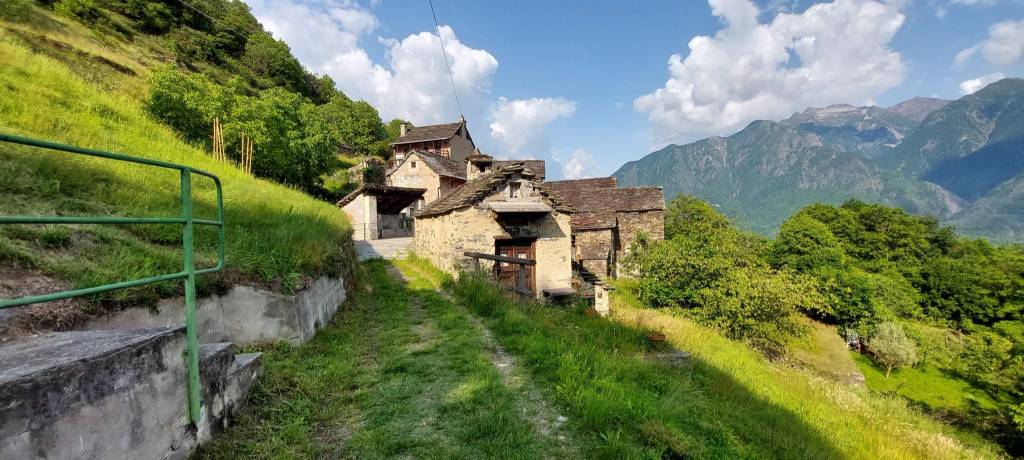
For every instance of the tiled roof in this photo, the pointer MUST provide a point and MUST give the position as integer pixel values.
(615, 199)
(446, 167)
(429, 133)
(582, 184)
(477, 189)
(535, 166)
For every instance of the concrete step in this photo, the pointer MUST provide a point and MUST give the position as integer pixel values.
(388, 248)
(113, 394)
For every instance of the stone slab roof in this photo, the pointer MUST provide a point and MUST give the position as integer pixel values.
(583, 184)
(379, 190)
(593, 220)
(429, 133)
(445, 167)
(631, 199)
(477, 189)
(535, 166)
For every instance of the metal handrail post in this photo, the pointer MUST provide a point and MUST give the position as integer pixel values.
(191, 335)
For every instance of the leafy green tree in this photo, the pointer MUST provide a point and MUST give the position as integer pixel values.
(186, 102)
(690, 216)
(273, 62)
(805, 244)
(892, 348)
(759, 306)
(358, 125)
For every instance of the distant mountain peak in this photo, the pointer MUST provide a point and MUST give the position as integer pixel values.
(917, 108)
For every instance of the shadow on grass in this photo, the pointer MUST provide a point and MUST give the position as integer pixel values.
(615, 386)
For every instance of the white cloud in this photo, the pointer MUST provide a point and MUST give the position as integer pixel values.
(579, 166)
(1004, 45)
(832, 52)
(519, 124)
(974, 84)
(413, 84)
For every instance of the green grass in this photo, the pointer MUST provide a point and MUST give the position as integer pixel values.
(823, 351)
(926, 385)
(276, 235)
(400, 373)
(728, 403)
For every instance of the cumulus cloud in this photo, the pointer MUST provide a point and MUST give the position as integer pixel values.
(520, 124)
(831, 52)
(974, 84)
(579, 165)
(413, 82)
(1004, 45)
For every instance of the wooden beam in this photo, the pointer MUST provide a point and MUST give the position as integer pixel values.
(511, 260)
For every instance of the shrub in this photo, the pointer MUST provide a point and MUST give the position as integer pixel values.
(85, 10)
(17, 10)
(892, 348)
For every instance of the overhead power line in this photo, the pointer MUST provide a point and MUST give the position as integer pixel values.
(445, 56)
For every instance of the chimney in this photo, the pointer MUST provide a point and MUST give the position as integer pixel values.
(477, 164)
(403, 128)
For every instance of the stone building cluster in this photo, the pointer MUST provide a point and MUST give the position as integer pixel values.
(467, 210)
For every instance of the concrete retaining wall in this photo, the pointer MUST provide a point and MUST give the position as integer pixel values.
(244, 315)
(113, 394)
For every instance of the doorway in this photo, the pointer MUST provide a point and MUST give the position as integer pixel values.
(510, 275)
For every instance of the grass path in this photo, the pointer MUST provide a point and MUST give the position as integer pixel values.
(403, 373)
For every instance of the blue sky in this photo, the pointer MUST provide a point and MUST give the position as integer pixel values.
(591, 85)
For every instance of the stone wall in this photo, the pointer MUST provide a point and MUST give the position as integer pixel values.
(244, 315)
(460, 148)
(443, 240)
(590, 244)
(362, 213)
(420, 176)
(631, 225)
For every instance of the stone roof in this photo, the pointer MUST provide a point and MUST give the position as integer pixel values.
(631, 199)
(535, 166)
(593, 220)
(477, 189)
(378, 190)
(443, 166)
(429, 133)
(582, 184)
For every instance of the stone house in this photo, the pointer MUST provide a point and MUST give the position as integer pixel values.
(503, 210)
(450, 140)
(436, 174)
(609, 220)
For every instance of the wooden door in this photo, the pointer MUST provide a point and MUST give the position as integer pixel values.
(509, 274)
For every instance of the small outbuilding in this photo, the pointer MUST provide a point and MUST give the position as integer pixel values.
(504, 210)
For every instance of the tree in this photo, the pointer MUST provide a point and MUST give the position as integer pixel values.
(892, 348)
(805, 244)
(358, 125)
(689, 215)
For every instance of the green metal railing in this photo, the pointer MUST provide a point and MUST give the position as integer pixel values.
(188, 272)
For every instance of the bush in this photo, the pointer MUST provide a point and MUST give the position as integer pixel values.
(892, 348)
(84, 10)
(17, 10)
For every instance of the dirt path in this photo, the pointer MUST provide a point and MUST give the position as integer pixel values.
(531, 402)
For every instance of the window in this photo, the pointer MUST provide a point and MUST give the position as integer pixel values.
(414, 165)
(515, 190)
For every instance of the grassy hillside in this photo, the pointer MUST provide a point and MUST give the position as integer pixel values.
(276, 235)
(727, 401)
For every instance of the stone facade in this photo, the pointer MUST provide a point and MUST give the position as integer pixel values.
(609, 220)
(631, 225)
(446, 238)
(414, 172)
(501, 205)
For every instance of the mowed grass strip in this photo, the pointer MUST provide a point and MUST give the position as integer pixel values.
(400, 373)
(275, 234)
(727, 401)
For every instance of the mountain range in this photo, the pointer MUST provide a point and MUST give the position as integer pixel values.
(961, 161)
